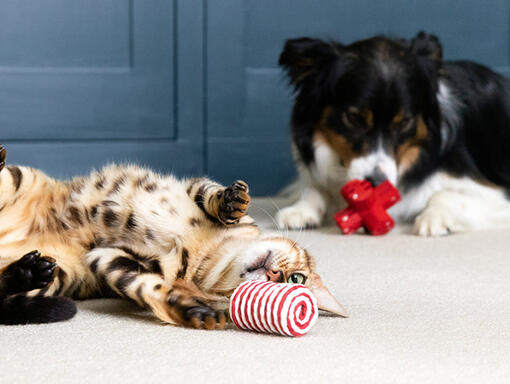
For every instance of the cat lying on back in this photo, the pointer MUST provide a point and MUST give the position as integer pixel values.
(178, 248)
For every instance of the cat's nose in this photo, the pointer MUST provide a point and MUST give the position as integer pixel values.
(274, 275)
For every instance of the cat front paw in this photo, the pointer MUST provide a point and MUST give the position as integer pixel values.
(234, 203)
(32, 271)
(192, 312)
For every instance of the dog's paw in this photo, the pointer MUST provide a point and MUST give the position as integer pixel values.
(298, 216)
(435, 222)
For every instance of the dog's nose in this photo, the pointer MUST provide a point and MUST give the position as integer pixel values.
(376, 177)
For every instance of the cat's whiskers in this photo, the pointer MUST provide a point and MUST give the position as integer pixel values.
(296, 240)
(298, 236)
(272, 219)
(277, 210)
(301, 243)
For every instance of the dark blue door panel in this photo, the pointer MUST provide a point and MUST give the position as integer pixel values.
(248, 100)
(65, 34)
(87, 69)
(85, 82)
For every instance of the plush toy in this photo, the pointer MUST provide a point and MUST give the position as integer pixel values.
(264, 306)
(367, 207)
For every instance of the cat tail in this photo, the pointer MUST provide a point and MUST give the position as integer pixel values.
(36, 310)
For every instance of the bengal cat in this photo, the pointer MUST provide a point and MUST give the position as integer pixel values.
(178, 248)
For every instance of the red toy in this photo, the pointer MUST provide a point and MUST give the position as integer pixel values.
(367, 207)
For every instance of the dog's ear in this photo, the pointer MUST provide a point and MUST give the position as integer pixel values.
(428, 46)
(304, 58)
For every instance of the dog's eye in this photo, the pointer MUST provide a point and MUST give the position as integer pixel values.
(355, 118)
(405, 123)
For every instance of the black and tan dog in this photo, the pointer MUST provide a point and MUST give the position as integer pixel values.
(393, 109)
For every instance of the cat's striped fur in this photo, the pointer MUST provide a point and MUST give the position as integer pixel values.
(178, 248)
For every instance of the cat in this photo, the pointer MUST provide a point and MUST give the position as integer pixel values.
(176, 247)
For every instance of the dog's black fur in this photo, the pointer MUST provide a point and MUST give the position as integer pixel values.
(469, 137)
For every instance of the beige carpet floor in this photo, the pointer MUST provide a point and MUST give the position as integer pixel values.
(422, 311)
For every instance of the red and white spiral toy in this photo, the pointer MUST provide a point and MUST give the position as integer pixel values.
(264, 306)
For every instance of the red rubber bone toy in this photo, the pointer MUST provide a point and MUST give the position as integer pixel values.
(367, 207)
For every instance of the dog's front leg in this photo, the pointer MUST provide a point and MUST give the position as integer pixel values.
(307, 212)
(451, 211)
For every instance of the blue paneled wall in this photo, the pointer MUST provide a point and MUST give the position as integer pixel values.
(191, 86)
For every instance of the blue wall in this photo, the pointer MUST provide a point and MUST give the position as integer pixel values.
(191, 86)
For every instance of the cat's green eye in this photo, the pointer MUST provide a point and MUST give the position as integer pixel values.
(296, 278)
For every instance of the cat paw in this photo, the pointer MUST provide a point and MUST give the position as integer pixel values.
(435, 222)
(32, 271)
(234, 203)
(2, 157)
(192, 312)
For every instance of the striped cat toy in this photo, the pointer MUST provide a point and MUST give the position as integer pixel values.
(264, 306)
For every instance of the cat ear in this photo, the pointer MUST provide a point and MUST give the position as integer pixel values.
(325, 300)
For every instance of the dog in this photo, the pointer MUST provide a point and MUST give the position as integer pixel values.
(393, 109)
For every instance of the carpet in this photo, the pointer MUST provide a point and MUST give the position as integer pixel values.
(421, 311)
